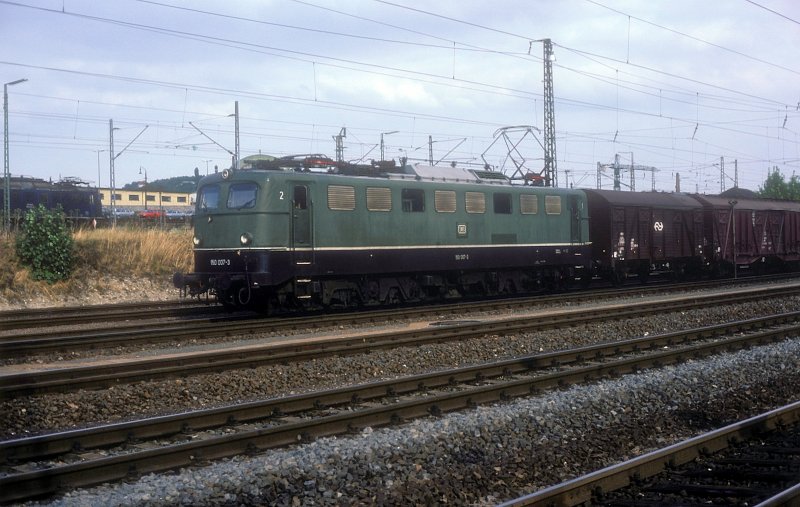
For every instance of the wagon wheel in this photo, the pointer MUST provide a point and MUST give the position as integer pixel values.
(643, 273)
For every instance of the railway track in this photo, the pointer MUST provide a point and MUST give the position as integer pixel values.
(176, 365)
(78, 315)
(137, 331)
(44, 464)
(133, 323)
(756, 461)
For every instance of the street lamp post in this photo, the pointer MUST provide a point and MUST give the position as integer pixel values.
(6, 169)
(145, 185)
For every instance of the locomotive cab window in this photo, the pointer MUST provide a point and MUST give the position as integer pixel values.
(502, 203)
(208, 197)
(413, 200)
(242, 195)
(300, 198)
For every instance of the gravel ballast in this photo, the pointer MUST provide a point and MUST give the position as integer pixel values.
(60, 411)
(488, 454)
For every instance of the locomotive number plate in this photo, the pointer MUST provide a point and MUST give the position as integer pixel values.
(220, 262)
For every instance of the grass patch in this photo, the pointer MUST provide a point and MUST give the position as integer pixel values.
(107, 262)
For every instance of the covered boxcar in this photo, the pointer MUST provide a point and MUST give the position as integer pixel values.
(756, 234)
(637, 233)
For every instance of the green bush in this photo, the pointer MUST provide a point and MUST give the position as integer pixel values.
(45, 244)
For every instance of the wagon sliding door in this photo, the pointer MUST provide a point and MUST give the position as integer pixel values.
(302, 233)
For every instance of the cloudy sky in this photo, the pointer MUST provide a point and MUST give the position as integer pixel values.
(678, 86)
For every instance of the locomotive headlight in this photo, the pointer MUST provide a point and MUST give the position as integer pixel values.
(246, 238)
(196, 240)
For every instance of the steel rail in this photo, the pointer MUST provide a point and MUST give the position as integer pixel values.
(122, 333)
(100, 376)
(582, 489)
(133, 332)
(59, 316)
(501, 388)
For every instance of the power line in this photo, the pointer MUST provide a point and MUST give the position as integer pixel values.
(319, 31)
(461, 21)
(774, 12)
(249, 46)
(692, 80)
(697, 39)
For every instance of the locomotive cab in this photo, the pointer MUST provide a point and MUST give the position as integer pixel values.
(242, 236)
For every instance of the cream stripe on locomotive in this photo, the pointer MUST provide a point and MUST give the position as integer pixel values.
(412, 247)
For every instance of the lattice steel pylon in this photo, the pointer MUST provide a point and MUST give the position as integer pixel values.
(550, 162)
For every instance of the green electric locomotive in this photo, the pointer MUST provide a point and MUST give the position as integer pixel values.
(287, 237)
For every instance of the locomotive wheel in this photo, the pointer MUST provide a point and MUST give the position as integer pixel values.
(227, 300)
(243, 296)
(394, 297)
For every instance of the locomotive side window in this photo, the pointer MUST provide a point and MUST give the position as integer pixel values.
(242, 195)
(475, 202)
(300, 199)
(502, 203)
(413, 200)
(552, 204)
(379, 199)
(208, 197)
(444, 201)
(529, 204)
(342, 198)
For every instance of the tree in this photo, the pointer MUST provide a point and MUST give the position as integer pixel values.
(45, 244)
(776, 187)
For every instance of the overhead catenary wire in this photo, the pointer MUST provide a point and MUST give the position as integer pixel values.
(589, 105)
